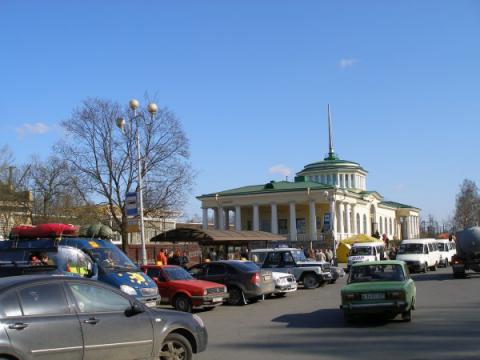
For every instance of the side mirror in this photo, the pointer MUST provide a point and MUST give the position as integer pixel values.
(135, 309)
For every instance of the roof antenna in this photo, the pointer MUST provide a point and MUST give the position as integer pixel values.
(331, 152)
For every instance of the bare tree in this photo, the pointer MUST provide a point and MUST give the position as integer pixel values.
(104, 159)
(467, 205)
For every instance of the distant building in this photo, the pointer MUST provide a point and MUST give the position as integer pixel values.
(15, 207)
(327, 197)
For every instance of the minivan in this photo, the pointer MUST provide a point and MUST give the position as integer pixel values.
(419, 254)
(447, 250)
(367, 251)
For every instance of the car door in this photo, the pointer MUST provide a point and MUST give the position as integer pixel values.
(157, 275)
(44, 327)
(108, 332)
(273, 261)
(217, 272)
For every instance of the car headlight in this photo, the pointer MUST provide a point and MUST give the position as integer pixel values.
(199, 320)
(128, 290)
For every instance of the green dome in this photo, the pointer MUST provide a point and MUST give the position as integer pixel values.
(331, 164)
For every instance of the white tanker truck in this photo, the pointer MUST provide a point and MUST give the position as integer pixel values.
(468, 252)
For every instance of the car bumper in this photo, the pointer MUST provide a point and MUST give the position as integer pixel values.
(373, 308)
(150, 301)
(201, 339)
(415, 267)
(326, 276)
(209, 300)
(279, 289)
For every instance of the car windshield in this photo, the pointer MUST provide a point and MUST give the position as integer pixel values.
(111, 259)
(298, 255)
(411, 249)
(258, 257)
(362, 250)
(177, 273)
(373, 273)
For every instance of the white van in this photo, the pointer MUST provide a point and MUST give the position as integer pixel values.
(367, 251)
(447, 250)
(419, 254)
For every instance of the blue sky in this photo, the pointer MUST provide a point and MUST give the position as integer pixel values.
(251, 80)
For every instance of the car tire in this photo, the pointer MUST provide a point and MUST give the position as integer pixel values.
(333, 281)
(310, 281)
(236, 296)
(182, 303)
(434, 267)
(425, 267)
(407, 315)
(176, 346)
(256, 299)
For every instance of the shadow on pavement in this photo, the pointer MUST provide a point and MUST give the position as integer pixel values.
(432, 276)
(327, 318)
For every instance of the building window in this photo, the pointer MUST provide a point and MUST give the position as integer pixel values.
(381, 225)
(282, 226)
(364, 224)
(386, 227)
(358, 224)
(391, 231)
(329, 179)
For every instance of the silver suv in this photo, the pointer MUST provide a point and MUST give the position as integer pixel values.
(290, 260)
(66, 318)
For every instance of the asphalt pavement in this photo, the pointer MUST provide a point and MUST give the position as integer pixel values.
(309, 325)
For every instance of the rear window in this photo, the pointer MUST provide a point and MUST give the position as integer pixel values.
(245, 266)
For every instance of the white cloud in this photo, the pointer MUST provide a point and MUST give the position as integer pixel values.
(38, 128)
(280, 169)
(347, 62)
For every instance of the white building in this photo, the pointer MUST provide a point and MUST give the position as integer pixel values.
(326, 197)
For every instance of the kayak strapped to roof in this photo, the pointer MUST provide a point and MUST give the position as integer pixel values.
(44, 231)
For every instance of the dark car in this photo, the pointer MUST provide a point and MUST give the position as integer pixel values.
(245, 281)
(63, 317)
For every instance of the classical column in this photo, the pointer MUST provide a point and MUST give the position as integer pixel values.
(274, 218)
(313, 220)
(348, 218)
(221, 218)
(256, 218)
(215, 218)
(227, 219)
(205, 218)
(355, 231)
(238, 218)
(293, 222)
(340, 218)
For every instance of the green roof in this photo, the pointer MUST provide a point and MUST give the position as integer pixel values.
(271, 187)
(331, 164)
(398, 205)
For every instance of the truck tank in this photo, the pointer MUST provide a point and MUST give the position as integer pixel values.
(468, 242)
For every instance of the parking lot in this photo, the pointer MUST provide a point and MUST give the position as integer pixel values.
(309, 325)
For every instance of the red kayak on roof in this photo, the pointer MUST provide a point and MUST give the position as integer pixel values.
(45, 230)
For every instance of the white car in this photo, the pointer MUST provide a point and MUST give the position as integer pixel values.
(284, 283)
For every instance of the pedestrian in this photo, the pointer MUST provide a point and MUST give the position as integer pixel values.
(329, 255)
(162, 257)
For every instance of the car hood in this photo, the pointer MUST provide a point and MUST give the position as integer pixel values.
(135, 279)
(374, 286)
(196, 284)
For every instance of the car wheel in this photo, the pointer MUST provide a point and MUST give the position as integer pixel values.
(182, 303)
(333, 281)
(434, 267)
(425, 267)
(310, 281)
(407, 315)
(177, 347)
(236, 296)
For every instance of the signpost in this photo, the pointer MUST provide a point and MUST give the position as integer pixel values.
(131, 210)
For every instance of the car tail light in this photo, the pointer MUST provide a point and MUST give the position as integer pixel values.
(255, 279)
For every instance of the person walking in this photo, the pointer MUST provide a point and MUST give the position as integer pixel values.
(162, 257)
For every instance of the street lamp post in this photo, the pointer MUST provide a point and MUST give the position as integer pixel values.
(152, 109)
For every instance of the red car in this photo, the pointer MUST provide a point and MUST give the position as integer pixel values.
(179, 289)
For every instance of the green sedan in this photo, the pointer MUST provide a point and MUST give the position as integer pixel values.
(379, 288)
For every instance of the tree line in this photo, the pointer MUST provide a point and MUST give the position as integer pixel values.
(90, 170)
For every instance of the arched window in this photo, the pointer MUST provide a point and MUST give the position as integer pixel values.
(358, 224)
(329, 179)
(365, 231)
(381, 225)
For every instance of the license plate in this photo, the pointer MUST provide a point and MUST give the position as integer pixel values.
(374, 296)
(217, 299)
(151, 304)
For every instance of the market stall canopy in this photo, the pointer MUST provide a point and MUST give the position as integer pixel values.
(215, 236)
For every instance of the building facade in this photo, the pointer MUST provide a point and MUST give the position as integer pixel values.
(327, 198)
